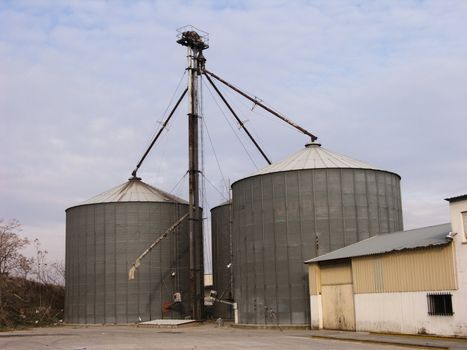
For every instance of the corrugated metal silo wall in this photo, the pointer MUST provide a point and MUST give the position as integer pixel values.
(221, 250)
(103, 241)
(282, 219)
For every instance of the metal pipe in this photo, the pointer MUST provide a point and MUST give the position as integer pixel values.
(233, 304)
(235, 310)
(256, 102)
(238, 119)
(137, 263)
(193, 172)
(195, 45)
(159, 133)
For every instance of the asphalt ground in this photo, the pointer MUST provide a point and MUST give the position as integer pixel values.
(206, 336)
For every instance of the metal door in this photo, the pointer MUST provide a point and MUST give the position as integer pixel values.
(338, 307)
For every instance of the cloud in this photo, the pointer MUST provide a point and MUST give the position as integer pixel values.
(83, 85)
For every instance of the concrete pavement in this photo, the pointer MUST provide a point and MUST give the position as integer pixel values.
(205, 336)
(423, 341)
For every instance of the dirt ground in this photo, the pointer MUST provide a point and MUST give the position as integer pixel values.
(206, 336)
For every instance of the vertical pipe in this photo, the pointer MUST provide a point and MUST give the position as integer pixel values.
(194, 211)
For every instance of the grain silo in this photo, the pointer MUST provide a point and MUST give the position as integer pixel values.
(222, 258)
(104, 235)
(308, 204)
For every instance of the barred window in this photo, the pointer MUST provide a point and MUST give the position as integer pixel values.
(440, 304)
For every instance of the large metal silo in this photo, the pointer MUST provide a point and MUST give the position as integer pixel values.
(105, 235)
(312, 202)
(221, 218)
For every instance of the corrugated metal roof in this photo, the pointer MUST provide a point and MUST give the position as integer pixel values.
(134, 190)
(313, 156)
(389, 242)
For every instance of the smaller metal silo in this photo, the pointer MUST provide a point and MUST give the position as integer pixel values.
(104, 235)
(221, 222)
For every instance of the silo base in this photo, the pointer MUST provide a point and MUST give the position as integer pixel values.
(167, 323)
(272, 326)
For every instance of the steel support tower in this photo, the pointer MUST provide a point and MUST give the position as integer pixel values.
(195, 44)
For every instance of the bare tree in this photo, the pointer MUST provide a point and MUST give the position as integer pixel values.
(45, 271)
(11, 245)
(57, 273)
(41, 266)
(24, 267)
(12, 261)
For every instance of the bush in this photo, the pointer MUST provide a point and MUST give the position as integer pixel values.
(25, 303)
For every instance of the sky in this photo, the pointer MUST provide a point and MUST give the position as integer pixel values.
(85, 84)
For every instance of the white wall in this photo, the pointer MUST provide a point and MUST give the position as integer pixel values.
(316, 309)
(460, 244)
(407, 312)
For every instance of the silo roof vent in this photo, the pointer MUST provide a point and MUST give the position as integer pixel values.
(134, 190)
(313, 156)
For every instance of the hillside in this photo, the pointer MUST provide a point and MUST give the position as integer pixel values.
(25, 303)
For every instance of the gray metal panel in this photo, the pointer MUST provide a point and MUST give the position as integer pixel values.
(221, 250)
(99, 230)
(281, 219)
(103, 240)
(267, 294)
(257, 237)
(384, 243)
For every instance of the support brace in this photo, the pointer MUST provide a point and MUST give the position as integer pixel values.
(159, 133)
(238, 119)
(259, 103)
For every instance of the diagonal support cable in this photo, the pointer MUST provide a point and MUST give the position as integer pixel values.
(231, 127)
(159, 133)
(259, 103)
(238, 119)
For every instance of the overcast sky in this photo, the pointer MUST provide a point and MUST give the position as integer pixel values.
(84, 84)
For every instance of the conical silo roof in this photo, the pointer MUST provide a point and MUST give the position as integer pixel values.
(227, 202)
(313, 156)
(134, 190)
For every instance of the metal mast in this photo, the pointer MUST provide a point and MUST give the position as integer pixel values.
(195, 43)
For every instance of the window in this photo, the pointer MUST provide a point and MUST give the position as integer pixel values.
(440, 304)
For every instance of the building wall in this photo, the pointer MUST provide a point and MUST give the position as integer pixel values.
(339, 272)
(390, 290)
(431, 268)
(314, 279)
(458, 222)
(316, 309)
(407, 312)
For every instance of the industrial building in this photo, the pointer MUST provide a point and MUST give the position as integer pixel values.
(104, 236)
(305, 206)
(312, 202)
(412, 282)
